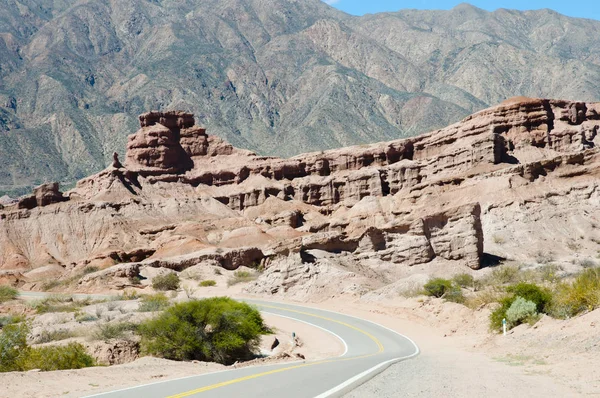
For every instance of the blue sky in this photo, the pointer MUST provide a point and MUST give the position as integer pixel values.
(579, 8)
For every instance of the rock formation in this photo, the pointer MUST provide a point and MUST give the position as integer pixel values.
(496, 184)
(43, 195)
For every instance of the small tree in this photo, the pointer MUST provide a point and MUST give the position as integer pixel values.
(216, 329)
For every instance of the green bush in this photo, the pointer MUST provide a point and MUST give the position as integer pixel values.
(437, 287)
(444, 288)
(16, 355)
(208, 283)
(216, 329)
(154, 302)
(8, 293)
(13, 347)
(70, 356)
(520, 311)
(499, 313)
(169, 281)
(531, 292)
(583, 294)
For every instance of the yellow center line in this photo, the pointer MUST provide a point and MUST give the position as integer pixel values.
(254, 376)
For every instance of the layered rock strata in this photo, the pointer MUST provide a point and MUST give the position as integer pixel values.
(183, 198)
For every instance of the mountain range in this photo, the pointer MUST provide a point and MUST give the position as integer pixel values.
(278, 77)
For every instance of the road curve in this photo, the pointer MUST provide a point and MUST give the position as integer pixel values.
(370, 349)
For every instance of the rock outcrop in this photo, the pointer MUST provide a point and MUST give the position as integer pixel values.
(43, 195)
(183, 198)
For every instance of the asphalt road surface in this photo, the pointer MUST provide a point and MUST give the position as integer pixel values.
(370, 349)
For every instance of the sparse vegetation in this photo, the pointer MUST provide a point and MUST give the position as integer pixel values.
(208, 283)
(241, 277)
(84, 317)
(520, 311)
(59, 303)
(166, 282)
(70, 356)
(216, 329)
(464, 280)
(444, 288)
(583, 294)
(154, 302)
(527, 292)
(90, 270)
(114, 330)
(130, 295)
(8, 293)
(54, 335)
(17, 355)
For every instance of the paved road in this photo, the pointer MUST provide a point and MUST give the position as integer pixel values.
(370, 349)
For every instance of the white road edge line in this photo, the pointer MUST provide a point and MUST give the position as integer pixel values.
(229, 370)
(368, 374)
(318, 327)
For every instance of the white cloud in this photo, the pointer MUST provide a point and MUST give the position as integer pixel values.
(331, 2)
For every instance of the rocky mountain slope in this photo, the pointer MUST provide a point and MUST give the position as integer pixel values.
(518, 181)
(278, 77)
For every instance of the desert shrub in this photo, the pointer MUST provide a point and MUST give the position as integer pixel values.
(58, 303)
(154, 302)
(168, 281)
(549, 273)
(54, 335)
(13, 347)
(241, 277)
(531, 292)
(8, 293)
(136, 280)
(129, 295)
(208, 283)
(583, 294)
(499, 313)
(444, 288)
(464, 280)
(520, 311)
(216, 329)
(504, 275)
(115, 330)
(437, 287)
(70, 356)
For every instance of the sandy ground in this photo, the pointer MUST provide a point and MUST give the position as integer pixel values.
(315, 344)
